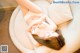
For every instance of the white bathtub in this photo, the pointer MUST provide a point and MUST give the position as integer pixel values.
(71, 32)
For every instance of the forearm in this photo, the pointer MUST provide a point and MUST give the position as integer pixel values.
(36, 22)
(52, 24)
(29, 5)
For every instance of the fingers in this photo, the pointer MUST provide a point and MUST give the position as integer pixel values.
(36, 22)
(49, 35)
(54, 34)
(51, 23)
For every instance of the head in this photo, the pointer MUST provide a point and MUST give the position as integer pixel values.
(43, 32)
(53, 42)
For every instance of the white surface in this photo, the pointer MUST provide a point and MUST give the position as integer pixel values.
(71, 32)
(18, 36)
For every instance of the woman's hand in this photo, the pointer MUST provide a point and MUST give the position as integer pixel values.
(36, 22)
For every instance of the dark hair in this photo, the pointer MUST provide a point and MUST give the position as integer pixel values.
(53, 42)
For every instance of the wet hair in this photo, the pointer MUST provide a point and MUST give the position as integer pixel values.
(53, 42)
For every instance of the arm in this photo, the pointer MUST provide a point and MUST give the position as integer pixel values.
(43, 18)
(36, 22)
(29, 5)
(52, 24)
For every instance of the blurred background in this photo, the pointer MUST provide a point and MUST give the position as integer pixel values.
(6, 9)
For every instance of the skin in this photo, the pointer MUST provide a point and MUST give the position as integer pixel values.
(66, 49)
(30, 6)
(32, 19)
(41, 28)
(27, 6)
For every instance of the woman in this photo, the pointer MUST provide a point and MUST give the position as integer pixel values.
(24, 7)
